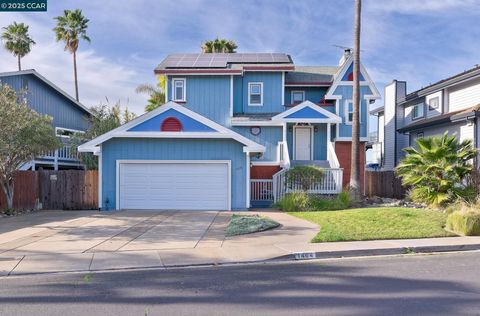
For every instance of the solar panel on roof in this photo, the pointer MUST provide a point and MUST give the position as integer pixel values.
(218, 60)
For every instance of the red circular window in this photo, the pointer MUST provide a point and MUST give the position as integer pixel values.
(350, 76)
(171, 124)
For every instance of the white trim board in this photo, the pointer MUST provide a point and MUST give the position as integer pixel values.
(330, 117)
(122, 131)
(249, 93)
(117, 174)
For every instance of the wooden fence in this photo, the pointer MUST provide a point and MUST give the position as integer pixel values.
(384, 184)
(54, 190)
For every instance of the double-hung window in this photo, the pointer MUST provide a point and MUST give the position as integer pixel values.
(417, 111)
(255, 93)
(298, 97)
(349, 112)
(179, 90)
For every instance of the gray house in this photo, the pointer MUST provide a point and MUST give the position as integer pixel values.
(451, 104)
(69, 116)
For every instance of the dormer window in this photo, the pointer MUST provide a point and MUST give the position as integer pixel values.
(298, 97)
(417, 111)
(349, 112)
(179, 90)
(255, 93)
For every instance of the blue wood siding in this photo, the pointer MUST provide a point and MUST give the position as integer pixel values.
(345, 130)
(173, 149)
(268, 137)
(45, 100)
(313, 94)
(347, 73)
(207, 95)
(188, 124)
(272, 92)
(319, 141)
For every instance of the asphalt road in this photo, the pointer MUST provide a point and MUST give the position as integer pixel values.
(441, 284)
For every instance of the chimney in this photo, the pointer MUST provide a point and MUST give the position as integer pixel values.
(346, 53)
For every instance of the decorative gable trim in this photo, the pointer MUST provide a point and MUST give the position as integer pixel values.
(219, 131)
(324, 115)
(338, 81)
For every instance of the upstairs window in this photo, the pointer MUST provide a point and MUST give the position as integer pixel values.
(179, 90)
(349, 112)
(255, 93)
(417, 111)
(433, 103)
(298, 97)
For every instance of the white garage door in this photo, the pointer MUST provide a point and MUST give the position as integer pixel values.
(174, 185)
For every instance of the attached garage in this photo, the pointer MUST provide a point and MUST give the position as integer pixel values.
(174, 185)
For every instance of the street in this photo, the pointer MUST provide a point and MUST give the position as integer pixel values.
(440, 284)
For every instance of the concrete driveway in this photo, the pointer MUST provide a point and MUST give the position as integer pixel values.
(54, 241)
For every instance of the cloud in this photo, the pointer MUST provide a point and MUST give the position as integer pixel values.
(99, 77)
(421, 7)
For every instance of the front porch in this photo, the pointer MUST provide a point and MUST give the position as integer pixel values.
(307, 141)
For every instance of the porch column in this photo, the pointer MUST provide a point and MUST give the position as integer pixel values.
(329, 138)
(285, 132)
(247, 159)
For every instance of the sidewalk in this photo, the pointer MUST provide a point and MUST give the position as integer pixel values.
(290, 242)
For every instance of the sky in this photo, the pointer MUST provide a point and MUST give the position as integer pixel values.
(420, 41)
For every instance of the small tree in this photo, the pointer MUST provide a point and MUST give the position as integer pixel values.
(436, 169)
(305, 176)
(24, 135)
(104, 119)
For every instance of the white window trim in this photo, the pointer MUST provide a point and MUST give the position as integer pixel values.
(261, 93)
(346, 112)
(174, 90)
(413, 111)
(67, 129)
(297, 91)
(430, 107)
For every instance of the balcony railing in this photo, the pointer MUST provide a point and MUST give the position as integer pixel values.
(64, 153)
(261, 190)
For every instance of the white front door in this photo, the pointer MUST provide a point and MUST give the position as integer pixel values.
(303, 143)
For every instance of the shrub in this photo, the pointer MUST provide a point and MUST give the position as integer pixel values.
(304, 176)
(436, 169)
(464, 222)
(294, 202)
(340, 202)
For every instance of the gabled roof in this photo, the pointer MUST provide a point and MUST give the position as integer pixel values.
(339, 80)
(127, 130)
(48, 82)
(307, 112)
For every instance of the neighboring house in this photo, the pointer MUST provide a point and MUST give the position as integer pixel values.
(232, 125)
(451, 105)
(69, 116)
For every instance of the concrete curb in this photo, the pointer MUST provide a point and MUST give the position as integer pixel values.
(299, 256)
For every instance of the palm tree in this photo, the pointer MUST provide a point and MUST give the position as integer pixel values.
(71, 27)
(355, 159)
(17, 41)
(436, 169)
(219, 46)
(156, 93)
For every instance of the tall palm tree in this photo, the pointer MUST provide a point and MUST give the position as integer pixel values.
(156, 93)
(71, 27)
(219, 46)
(355, 163)
(17, 41)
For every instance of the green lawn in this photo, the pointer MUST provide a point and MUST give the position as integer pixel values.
(376, 223)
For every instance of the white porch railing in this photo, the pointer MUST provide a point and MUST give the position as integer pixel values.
(64, 153)
(330, 183)
(261, 190)
(332, 156)
(283, 155)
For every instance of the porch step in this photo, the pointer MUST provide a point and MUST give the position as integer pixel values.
(318, 163)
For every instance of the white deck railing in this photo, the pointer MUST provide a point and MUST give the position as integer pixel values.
(64, 153)
(261, 190)
(330, 183)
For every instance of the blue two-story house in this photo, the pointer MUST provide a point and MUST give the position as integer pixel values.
(232, 126)
(68, 116)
